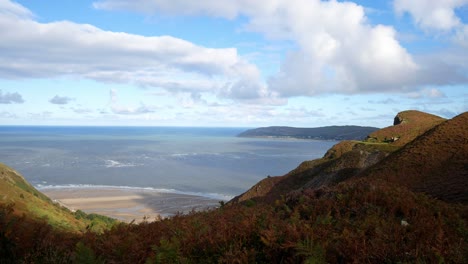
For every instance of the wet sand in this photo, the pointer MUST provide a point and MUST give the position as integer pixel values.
(129, 204)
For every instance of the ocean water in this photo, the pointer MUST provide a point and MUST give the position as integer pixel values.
(210, 162)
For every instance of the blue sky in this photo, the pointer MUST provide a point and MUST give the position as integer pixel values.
(230, 62)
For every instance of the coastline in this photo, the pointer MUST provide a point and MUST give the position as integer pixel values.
(128, 204)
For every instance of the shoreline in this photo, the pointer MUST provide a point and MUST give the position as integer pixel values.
(128, 204)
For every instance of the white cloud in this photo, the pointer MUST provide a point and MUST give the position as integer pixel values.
(63, 48)
(431, 93)
(335, 50)
(461, 36)
(11, 98)
(60, 100)
(12, 9)
(437, 16)
(432, 14)
(219, 8)
(338, 51)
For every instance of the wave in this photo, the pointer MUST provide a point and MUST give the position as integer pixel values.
(214, 196)
(117, 164)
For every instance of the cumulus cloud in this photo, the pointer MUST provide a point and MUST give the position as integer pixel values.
(337, 49)
(438, 16)
(10, 98)
(60, 100)
(432, 14)
(65, 48)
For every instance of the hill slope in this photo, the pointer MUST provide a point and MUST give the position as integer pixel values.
(320, 133)
(346, 159)
(302, 217)
(407, 125)
(435, 163)
(29, 202)
(14, 189)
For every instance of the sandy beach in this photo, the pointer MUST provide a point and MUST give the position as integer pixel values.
(128, 204)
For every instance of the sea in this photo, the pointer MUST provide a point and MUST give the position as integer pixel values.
(209, 162)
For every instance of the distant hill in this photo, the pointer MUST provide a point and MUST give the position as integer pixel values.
(319, 133)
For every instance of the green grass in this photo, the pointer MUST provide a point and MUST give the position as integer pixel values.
(30, 202)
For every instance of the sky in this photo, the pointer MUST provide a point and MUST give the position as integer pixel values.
(235, 63)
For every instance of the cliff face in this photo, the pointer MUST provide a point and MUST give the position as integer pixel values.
(349, 159)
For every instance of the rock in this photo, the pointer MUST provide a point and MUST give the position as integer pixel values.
(397, 120)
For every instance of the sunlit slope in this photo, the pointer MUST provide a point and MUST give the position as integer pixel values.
(346, 159)
(26, 201)
(407, 126)
(435, 163)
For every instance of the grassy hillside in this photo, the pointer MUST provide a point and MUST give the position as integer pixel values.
(435, 163)
(407, 126)
(26, 200)
(346, 159)
(363, 202)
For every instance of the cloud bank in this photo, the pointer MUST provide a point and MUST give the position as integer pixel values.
(65, 48)
(338, 50)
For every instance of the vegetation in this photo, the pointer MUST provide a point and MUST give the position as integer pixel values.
(360, 221)
(363, 202)
(320, 133)
(15, 190)
(407, 126)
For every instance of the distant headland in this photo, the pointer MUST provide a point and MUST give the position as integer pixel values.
(317, 133)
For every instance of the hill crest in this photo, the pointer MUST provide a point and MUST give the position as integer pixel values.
(349, 159)
(435, 163)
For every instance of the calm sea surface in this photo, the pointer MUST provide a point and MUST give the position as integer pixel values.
(211, 162)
